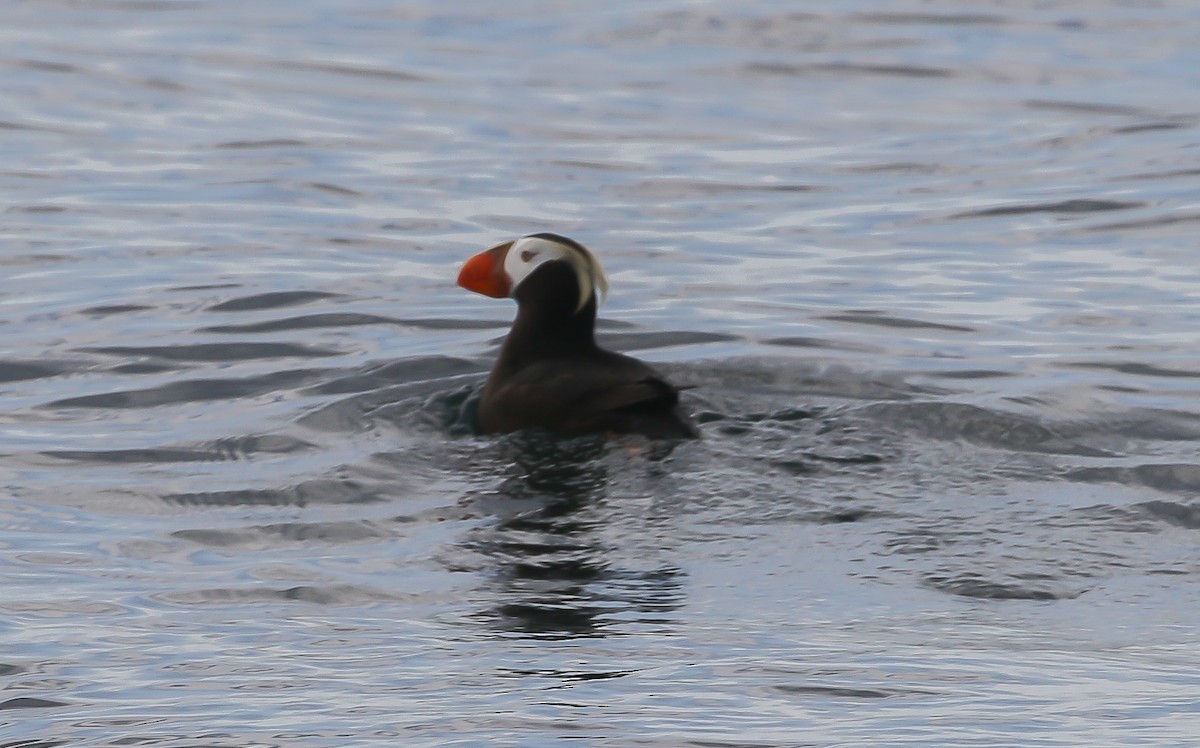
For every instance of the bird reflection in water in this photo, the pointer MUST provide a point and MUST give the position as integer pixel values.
(554, 574)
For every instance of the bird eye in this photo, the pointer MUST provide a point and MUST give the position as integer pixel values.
(528, 255)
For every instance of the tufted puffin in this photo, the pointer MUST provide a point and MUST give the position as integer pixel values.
(550, 373)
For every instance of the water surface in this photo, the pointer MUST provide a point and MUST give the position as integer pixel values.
(929, 265)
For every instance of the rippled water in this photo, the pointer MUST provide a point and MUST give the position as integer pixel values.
(931, 265)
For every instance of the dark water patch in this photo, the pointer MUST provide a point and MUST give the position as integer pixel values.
(334, 595)
(358, 71)
(783, 415)
(59, 608)
(978, 425)
(1172, 174)
(144, 367)
(883, 319)
(24, 260)
(736, 424)
(976, 587)
(457, 409)
(919, 541)
(1150, 127)
(1124, 389)
(167, 84)
(30, 702)
(135, 456)
(575, 675)
(1149, 223)
(1062, 206)
(548, 619)
(38, 209)
(219, 351)
(1086, 107)
(241, 145)
(237, 448)
(868, 458)
(111, 309)
(260, 537)
(845, 516)
(546, 505)
(846, 68)
(846, 692)
(48, 66)
(1180, 515)
(333, 189)
(1136, 368)
(576, 598)
(683, 188)
(315, 492)
(971, 374)
(897, 167)
(951, 19)
(27, 126)
(825, 343)
(597, 165)
(271, 300)
(554, 562)
(16, 371)
(203, 287)
(437, 323)
(195, 390)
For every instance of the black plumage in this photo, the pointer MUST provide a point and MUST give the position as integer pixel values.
(552, 375)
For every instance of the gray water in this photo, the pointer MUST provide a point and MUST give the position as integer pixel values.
(932, 267)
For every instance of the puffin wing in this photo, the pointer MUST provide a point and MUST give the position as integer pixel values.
(628, 397)
(649, 406)
(650, 391)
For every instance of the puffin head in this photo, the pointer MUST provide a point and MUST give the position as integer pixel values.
(498, 272)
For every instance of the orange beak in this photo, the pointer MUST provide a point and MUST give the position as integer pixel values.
(484, 273)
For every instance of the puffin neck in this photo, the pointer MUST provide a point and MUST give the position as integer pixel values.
(547, 325)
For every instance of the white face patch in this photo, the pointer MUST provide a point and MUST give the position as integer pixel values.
(529, 252)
